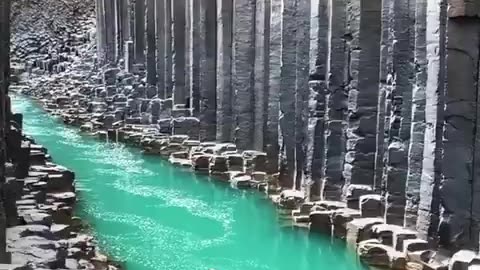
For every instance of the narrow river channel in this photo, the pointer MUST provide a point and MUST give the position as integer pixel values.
(155, 216)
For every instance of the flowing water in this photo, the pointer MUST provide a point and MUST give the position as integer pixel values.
(155, 216)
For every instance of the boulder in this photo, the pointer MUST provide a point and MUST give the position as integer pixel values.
(189, 126)
(202, 162)
(61, 230)
(360, 229)
(235, 162)
(218, 164)
(68, 198)
(241, 181)
(290, 199)
(376, 254)
(321, 221)
(461, 260)
(353, 194)
(36, 216)
(340, 219)
(372, 205)
(255, 161)
(259, 176)
(414, 245)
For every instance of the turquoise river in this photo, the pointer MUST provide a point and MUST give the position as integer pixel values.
(155, 216)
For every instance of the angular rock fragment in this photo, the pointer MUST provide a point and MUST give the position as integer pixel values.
(359, 229)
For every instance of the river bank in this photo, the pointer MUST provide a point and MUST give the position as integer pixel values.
(43, 231)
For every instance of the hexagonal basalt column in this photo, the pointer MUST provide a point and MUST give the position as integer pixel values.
(179, 44)
(243, 66)
(225, 120)
(364, 21)
(140, 31)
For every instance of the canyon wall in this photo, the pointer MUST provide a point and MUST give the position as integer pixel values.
(344, 96)
(4, 116)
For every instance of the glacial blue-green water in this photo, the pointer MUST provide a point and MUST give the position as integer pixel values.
(155, 216)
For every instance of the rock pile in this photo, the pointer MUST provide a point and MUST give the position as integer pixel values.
(42, 231)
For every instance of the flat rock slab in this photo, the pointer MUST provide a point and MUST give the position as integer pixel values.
(17, 232)
(462, 260)
(65, 197)
(414, 245)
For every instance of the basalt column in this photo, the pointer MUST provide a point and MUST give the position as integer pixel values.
(336, 100)
(415, 152)
(125, 25)
(198, 52)
(287, 95)
(243, 67)
(140, 32)
(179, 41)
(302, 91)
(118, 33)
(271, 141)
(262, 39)
(207, 50)
(160, 14)
(168, 48)
(225, 127)
(189, 32)
(364, 20)
(110, 25)
(122, 31)
(100, 27)
(460, 184)
(436, 42)
(385, 82)
(319, 24)
(396, 156)
(151, 49)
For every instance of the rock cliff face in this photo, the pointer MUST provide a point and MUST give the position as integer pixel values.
(339, 94)
(362, 101)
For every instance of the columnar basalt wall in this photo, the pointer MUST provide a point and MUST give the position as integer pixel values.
(225, 127)
(274, 54)
(243, 67)
(5, 115)
(336, 102)
(206, 60)
(347, 98)
(161, 46)
(139, 17)
(364, 21)
(151, 44)
(415, 152)
(319, 26)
